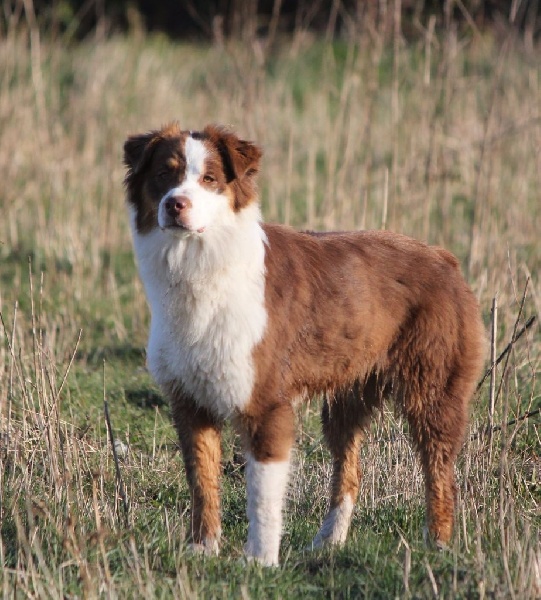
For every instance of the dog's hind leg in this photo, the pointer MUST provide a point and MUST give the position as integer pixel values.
(438, 433)
(345, 417)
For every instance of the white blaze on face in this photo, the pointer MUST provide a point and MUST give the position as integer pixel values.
(208, 208)
(196, 154)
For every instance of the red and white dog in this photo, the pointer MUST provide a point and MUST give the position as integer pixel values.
(248, 317)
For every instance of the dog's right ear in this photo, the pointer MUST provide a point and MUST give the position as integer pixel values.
(138, 150)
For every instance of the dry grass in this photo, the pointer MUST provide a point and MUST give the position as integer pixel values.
(440, 140)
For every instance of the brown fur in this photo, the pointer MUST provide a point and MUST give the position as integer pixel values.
(359, 316)
(200, 442)
(356, 316)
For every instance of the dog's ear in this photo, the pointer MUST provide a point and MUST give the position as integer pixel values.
(245, 157)
(240, 157)
(241, 163)
(138, 150)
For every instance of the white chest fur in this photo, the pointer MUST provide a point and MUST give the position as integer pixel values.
(206, 295)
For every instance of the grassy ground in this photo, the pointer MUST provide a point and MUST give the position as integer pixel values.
(439, 140)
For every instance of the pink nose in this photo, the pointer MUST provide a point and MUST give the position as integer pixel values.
(176, 204)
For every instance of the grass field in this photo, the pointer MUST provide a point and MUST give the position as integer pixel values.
(439, 139)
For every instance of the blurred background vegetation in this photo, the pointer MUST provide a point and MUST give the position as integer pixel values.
(214, 19)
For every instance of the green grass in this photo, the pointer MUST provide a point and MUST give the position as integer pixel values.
(446, 146)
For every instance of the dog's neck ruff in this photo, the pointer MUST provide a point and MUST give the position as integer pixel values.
(207, 299)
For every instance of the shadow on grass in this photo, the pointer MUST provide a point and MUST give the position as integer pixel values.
(144, 397)
(123, 352)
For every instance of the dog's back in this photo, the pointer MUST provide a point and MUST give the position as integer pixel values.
(372, 301)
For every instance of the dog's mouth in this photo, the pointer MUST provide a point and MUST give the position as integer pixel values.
(179, 227)
(174, 226)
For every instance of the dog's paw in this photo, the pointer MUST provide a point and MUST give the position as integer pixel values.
(323, 541)
(317, 543)
(264, 558)
(334, 529)
(208, 547)
(433, 543)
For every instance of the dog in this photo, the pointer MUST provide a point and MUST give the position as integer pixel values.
(247, 317)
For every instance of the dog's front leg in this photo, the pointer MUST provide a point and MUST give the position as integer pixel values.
(200, 441)
(270, 439)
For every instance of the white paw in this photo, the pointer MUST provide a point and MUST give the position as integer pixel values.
(265, 559)
(318, 542)
(325, 539)
(334, 529)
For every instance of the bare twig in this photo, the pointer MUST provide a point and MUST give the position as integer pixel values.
(513, 341)
(515, 327)
(68, 368)
(492, 395)
(120, 483)
(526, 415)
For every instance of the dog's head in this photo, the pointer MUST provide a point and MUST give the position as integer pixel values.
(186, 182)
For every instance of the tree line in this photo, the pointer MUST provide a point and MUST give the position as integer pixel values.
(216, 19)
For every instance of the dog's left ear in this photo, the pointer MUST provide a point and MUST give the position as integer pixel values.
(241, 163)
(244, 156)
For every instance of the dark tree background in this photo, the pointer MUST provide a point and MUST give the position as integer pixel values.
(209, 19)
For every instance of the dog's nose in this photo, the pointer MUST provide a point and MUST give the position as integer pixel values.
(176, 204)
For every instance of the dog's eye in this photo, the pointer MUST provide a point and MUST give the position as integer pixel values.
(209, 178)
(164, 173)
